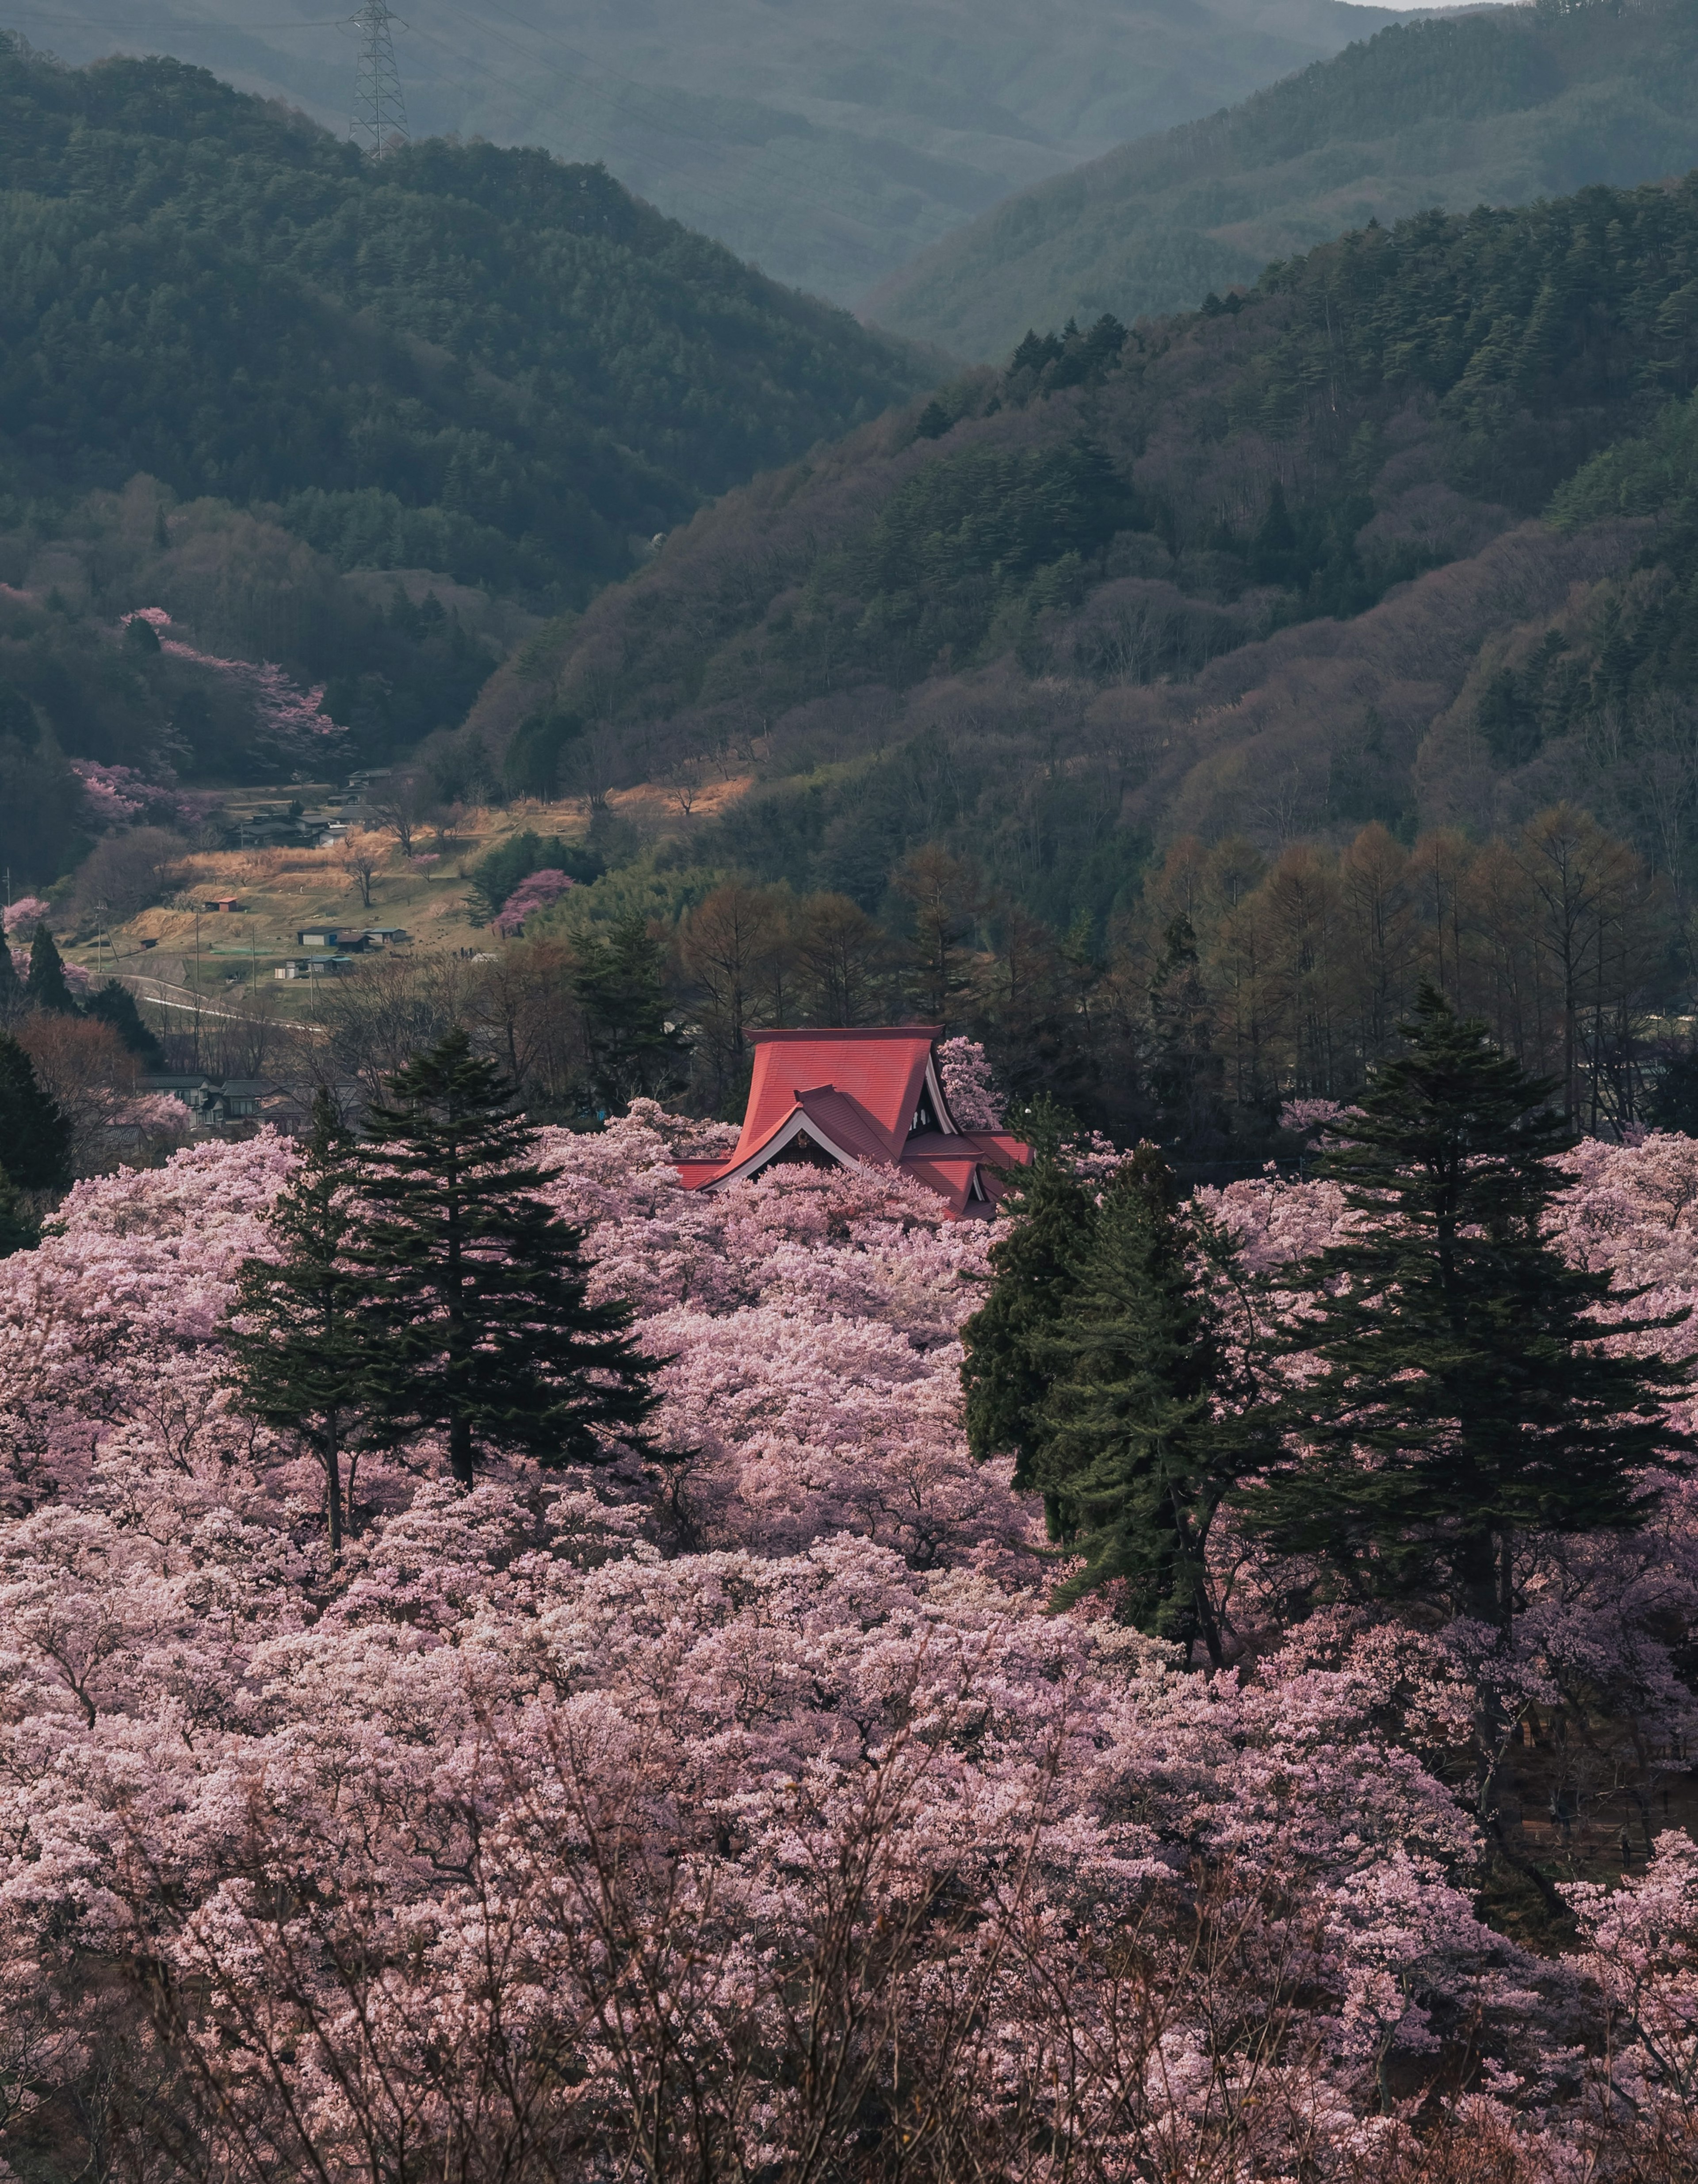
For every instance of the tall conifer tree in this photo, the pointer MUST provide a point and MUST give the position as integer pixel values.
(477, 1317)
(1184, 1071)
(49, 986)
(115, 1005)
(1008, 1367)
(18, 1230)
(1461, 1397)
(634, 1052)
(298, 1338)
(1147, 1422)
(35, 1136)
(14, 995)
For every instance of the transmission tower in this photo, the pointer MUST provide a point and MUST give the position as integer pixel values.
(380, 112)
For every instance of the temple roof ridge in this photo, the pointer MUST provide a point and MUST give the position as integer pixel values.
(875, 1101)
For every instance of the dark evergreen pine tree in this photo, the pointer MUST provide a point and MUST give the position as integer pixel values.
(1008, 1367)
(35, 1137)
(14, 994)
(1186, 1077)
(48, 989)
(298, 1336)
(115, 1005)
(1461, 1398)
(18, 1230)
(634, 1051)
(479, 1323)
(1147, 1422)
(1672, 1102)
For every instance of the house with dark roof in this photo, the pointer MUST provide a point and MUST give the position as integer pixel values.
(864, 1100)
(215, 1103)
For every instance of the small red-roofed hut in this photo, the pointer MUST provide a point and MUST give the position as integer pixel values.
(864, 1100)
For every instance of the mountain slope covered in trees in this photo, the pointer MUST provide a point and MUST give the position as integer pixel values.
(1496, 108)
(1262, 569)
(364, 424)
(827, 144)
(483, 362)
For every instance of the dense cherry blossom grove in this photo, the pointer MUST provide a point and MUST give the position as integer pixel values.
(745, 1809)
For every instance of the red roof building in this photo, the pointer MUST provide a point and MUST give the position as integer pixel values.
(863, 1100)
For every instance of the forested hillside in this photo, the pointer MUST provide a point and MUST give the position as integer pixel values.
(483, 362)
(1498, 107)
(1402, 539)
(828, 144)
(361, 427)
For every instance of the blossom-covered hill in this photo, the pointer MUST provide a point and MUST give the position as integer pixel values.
(751, 1811)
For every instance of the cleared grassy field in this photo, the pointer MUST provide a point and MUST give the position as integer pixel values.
(185, 946)
(279, 892)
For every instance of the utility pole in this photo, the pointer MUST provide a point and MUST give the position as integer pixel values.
(379, 112)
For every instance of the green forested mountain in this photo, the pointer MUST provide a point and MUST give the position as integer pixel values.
(1262, 568)
(828, 144)
(482, 362)
(365, 423)
(1499, 108)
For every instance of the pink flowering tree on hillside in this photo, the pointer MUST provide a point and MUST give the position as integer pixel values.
(290, 721)
(25, 915)
(113, 796)
(536, 892)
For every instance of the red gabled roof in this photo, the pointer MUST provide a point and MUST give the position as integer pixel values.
(854, 1096)
(882, 1071)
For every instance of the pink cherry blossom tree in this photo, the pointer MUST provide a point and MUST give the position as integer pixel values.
(969, 1087)
(535, 893)
(25, 915)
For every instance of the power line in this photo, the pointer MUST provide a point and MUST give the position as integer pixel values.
(380, 112)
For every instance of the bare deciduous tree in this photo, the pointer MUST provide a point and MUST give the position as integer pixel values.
(125, 873)
(843, 957)
(685, 777)
(362, 859)
(403, 808)
(736, 950)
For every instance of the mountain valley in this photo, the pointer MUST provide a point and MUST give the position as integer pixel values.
(828, 146)
(1496, 106)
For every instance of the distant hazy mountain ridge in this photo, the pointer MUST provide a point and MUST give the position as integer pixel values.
(827, 143)
(1497, 108)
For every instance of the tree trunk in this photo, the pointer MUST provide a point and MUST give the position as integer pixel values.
(461, 1459)
(332, 1456)
(1477, 1566)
